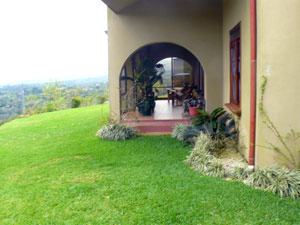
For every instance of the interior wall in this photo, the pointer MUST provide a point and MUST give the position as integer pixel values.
(278, 36)
(234, 12)
(195, 25)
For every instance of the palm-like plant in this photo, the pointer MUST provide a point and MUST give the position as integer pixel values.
(218, 124)
(203, 117)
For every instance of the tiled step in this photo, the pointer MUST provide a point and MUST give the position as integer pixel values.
(156, 127)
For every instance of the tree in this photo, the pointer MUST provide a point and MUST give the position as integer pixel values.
(55, 97)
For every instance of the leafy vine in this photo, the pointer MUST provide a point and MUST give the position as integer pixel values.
(286, 151)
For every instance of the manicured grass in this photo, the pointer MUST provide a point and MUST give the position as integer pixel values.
(54, 170)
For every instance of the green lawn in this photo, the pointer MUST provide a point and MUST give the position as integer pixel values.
(54, 170)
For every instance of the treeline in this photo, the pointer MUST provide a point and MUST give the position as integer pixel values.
(56, 97)
(51, 97)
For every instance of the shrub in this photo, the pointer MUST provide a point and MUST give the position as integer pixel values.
(278, 180)
(186, 133)
(49, 106)
(76, 102)
(103, 99)
(117, 132)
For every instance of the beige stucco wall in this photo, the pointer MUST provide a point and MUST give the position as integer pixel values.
(234, 12)
(278, 59)
(203, 28)
(195, 25)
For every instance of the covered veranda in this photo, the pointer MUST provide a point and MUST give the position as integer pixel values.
(183, 73)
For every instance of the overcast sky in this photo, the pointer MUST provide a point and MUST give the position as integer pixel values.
(52, 40)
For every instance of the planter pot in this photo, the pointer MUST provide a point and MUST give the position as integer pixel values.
(194, 111)
(147, 108)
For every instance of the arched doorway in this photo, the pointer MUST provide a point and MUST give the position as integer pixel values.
(181, 68)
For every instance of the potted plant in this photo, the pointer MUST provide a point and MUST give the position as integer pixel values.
(194, 104)
(147, 74)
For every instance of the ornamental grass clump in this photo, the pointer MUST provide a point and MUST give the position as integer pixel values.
(280, 181)
(262, 178)
(117, 132)
(202, 160)
(215, 168)
(286, 184)
(201, 152)
(240, 173)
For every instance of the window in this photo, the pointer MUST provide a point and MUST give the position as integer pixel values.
(177, 73)
(182, 73)
(235, 66)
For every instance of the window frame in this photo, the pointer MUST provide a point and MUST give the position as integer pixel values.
(235, 43)
(235, 105)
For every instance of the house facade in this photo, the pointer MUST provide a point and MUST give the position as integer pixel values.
(231, 45)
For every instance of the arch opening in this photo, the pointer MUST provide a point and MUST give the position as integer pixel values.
(183, 73)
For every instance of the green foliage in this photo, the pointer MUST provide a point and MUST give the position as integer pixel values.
(117, 132)
(224, 126)
(215, 168)
(203, 117)
(290, 143)
(104, 97)
(222, 131)
(280, 181)
(147, 75)
(201, 152)
(202, 160)
(55, 96)
(241, 173)
(218, 124)
(76, 102)
(185, 133)
(40, 98)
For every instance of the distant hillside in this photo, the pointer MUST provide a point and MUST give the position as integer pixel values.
(14, 98)
(69, 83)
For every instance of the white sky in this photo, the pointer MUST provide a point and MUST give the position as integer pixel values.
(44, 40)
